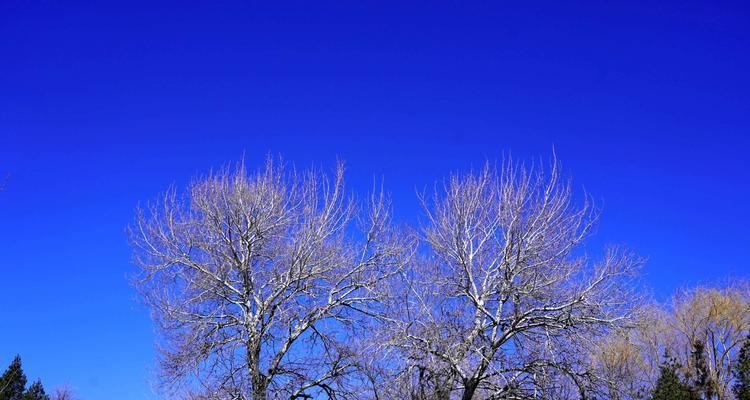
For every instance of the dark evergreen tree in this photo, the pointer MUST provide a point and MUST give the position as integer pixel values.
(35, 392)
(670, 386)
(742, 372)
(702, 382)
(13, 381)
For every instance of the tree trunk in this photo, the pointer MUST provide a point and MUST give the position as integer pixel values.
(257, 378)
(470, 386)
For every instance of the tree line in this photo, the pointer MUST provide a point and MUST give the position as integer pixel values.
(696, 347)
(13, 386)
(280, 284)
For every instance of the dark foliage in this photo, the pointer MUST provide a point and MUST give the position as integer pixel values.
(13, 384)
(670, 385)
(13, 381)
(35, 392)
(742, 372)
(702, 382)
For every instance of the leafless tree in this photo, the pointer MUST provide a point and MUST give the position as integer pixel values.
(719, 319)
(64, 393)
(256, 279)
(627, 362)
(504, 304)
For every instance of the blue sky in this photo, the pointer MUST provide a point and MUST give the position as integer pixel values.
(104, 106)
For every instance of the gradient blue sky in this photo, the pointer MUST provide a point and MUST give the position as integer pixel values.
(104, 106)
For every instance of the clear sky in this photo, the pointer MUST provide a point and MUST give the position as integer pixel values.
(104, 106)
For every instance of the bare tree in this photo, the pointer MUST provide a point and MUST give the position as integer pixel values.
(255, 280)
(703, 323)
(64, 393)
(627, 362)
(717, 319)
(505, 303)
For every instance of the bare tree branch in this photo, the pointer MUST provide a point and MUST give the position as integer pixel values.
(503, 295)
(254, 279)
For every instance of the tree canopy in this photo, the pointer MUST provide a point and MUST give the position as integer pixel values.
(13, 384)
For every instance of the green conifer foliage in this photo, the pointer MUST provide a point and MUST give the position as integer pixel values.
(670, 386)
(702, 383)
(13, 381)
(742, 372)
(35, 392)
